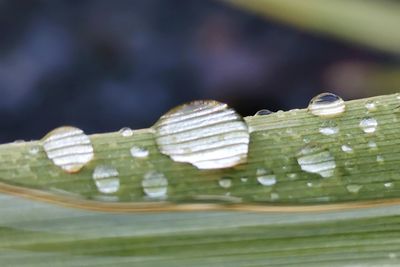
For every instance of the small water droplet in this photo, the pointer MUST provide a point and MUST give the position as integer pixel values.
(347, 149)
(292, 176)
(368, 125)
(353, 188)
(309, 184)
(329, 128)
(244, 179)
(274, 196)
(225, 182)
(126, 132)
(392, 255)
(326, 105)
(314, 159)
(263, 112)
(372, 145)
(155, 185)
(69, 148)
(306, 140)
(265, 177)
(34, 150)
(380, 159)
(106, 179)
(370, 105)
(388, 184)
(207, 134)
(139, 152)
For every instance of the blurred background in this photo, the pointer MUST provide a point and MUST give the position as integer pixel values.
(101, 65)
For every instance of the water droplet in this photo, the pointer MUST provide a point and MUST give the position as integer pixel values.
(329, 128)
(139, 152)
(126, 132)
(372, 145)
(244, 179)
(388, 184)
(69, 148)
(274, 196)
(292, 176)
(106, 179)
(380, 159)
(155, 185)
(265, 177)
(314, 159)
(370, 105)
(225, 182)
(309, 184)
(207, 134)
(263, 112)
(306, 140)
(326, 105)
(392, 255)
(347, 149)
(353, 188)
(368, 125)
(34, 150)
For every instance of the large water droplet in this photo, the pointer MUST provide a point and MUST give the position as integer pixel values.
(368, 124)
(225, 182)
(265, 177)
(155, 184)
(314, 159)
(329, 128)
(106, 179)
(68, 148)
(327, 105)
(126, 132)
(263, 112)
(354, 188)
(207, 134)
(139, 152)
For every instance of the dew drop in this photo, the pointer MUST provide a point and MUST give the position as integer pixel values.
(292, 176)
(155, 184)
(244, 179)
(372, 145)
(263, 112)
(106, 179)
(347, 149)
(265, 177)
(368, 125)
(274, 196)
(225, 182)
(69, 148)
(353, 188)
(388, 185)
(329, 128)
(314, 159)
(139, 152)
(326, 105)
(380, 159)
(34, 150)
(206, 134)
(126, 132)
(309, 184)
(370, 105)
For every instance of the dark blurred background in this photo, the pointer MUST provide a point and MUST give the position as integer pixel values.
(101, 65)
